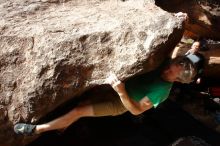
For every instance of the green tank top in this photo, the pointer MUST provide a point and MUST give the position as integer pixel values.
(150, 85)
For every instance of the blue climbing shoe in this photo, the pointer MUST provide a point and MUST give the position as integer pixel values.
(24, 129)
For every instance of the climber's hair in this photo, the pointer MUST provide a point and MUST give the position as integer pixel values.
(188, 72)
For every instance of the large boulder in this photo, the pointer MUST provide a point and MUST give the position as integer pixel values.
(204, 16)
(52, 51)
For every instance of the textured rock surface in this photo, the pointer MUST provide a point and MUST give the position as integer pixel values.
(204, 16)
(52, 50)
(213, 61)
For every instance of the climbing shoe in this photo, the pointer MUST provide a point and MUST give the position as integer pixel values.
(24, 129)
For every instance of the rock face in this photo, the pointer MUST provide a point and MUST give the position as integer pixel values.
(52, 50)
(204, 16)
(212, 68)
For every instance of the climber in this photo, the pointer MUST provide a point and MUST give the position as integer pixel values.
(136, 95)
